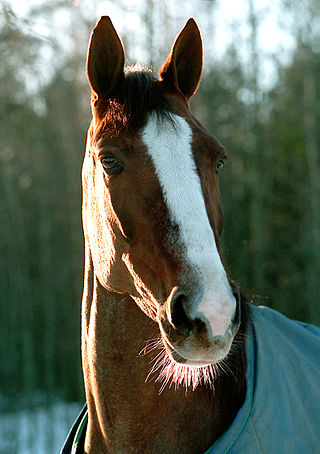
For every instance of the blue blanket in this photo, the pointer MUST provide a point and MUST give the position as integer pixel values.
(281, 412)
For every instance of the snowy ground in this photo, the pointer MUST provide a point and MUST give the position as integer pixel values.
(37, 431)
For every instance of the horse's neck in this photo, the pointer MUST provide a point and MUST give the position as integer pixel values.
(126, 414)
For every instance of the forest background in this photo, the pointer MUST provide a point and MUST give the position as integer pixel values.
(260, 94)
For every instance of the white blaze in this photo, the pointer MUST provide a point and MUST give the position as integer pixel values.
(171, 153)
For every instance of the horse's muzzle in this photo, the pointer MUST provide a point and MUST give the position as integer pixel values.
(189, 338)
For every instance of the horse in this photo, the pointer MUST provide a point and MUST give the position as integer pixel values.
(174, 357)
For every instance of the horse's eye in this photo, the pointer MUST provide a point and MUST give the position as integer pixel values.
(111, 165)
(220, 164)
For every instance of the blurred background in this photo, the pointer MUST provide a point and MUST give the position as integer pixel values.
(260, 94)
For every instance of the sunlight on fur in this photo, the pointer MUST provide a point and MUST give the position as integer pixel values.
(168, 373)
(171, 373)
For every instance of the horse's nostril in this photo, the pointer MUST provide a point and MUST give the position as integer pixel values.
(179, 317)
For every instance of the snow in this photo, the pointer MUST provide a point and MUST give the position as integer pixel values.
(37, 431)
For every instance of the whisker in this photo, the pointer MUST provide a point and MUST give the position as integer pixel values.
(226, 368)
(171, 373)
(168, 373)
(151, 344)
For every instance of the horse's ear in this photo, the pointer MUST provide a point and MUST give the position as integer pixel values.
(182, 70)
(105, 60)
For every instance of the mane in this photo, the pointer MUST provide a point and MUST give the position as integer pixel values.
(140, 95)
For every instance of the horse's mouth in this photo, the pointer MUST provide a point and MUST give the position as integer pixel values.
(181, 359)
(189, 353)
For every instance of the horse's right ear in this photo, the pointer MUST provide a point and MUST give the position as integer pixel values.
(105, 60)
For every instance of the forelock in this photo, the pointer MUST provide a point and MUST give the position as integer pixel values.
(140, 95)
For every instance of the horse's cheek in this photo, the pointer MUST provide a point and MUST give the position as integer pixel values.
(106, 244)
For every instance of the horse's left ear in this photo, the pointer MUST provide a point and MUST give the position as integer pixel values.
(182, 70)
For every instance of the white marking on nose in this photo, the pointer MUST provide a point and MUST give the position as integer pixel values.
(171, 152)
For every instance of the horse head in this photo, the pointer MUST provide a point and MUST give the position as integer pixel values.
(152, 212)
